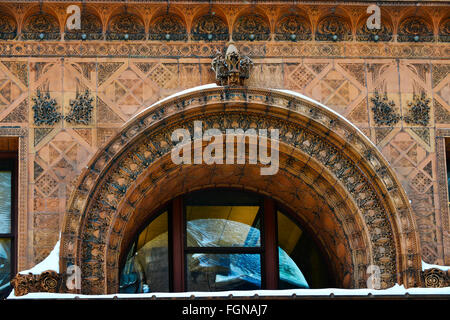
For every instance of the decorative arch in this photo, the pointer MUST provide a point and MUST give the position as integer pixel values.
(8, 27)
(168, 26)
(444, 30)
(38, 24)
(416, 29)
(91, 28)
(210, 27)
(357, 206)
(293, 27)
(334, 28)
(385, 33)
(125, 26)
(250, 27)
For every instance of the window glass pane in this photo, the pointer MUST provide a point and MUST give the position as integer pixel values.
(5, 262)
(5, 202)
(301, 264)
(147, 265)
(222, 272)
(223, 226)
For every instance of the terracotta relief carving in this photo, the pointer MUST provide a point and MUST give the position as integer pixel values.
(45, 110)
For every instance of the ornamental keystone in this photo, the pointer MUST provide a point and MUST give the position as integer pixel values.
(231, 69)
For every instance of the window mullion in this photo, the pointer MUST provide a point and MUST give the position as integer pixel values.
(270, 245)
(178, 245)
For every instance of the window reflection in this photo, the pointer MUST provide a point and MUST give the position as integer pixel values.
(298, 248)
(147, 265)
(223, 226)
(222, 272)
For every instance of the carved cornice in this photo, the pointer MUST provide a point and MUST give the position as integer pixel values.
(207, 50)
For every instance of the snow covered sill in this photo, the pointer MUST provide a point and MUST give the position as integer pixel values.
(395, 291)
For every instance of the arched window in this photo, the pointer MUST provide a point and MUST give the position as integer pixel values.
(220, 240)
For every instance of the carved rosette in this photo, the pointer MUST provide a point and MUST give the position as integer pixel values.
(231, 69)
(435, 278)
(47, 281)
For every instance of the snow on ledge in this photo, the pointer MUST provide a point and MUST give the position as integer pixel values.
(426, 266)
(396, 290)
(49, 263)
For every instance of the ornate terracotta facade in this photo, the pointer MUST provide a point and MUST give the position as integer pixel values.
(77, 98)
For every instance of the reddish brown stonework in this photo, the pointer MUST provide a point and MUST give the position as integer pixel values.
(124, 77)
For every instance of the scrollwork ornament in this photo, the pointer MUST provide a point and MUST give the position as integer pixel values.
(435, 278)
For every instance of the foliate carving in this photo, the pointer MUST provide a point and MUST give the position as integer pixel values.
(420, 110)
(251, 27)
(435, 278)
(44, 108)
(210, 27)
(41, 26)
(47, 281)
(333, 28)
(8, 27)
(414, 29)
(91, 29)
(444, 31)
(383, 110)
(293, 27)
(81, 109)
(231, 69)
(126, 26)
(168, 27)
(383, 34)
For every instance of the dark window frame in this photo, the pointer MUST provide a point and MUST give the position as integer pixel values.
(9, 161)
(178, 249)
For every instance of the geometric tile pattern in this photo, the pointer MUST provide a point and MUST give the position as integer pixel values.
(122, 87)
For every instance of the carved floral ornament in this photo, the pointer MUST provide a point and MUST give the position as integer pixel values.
(46, 109)
(385, 114)
(109, 190)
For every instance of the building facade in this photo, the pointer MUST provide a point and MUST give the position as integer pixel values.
(363, 116)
